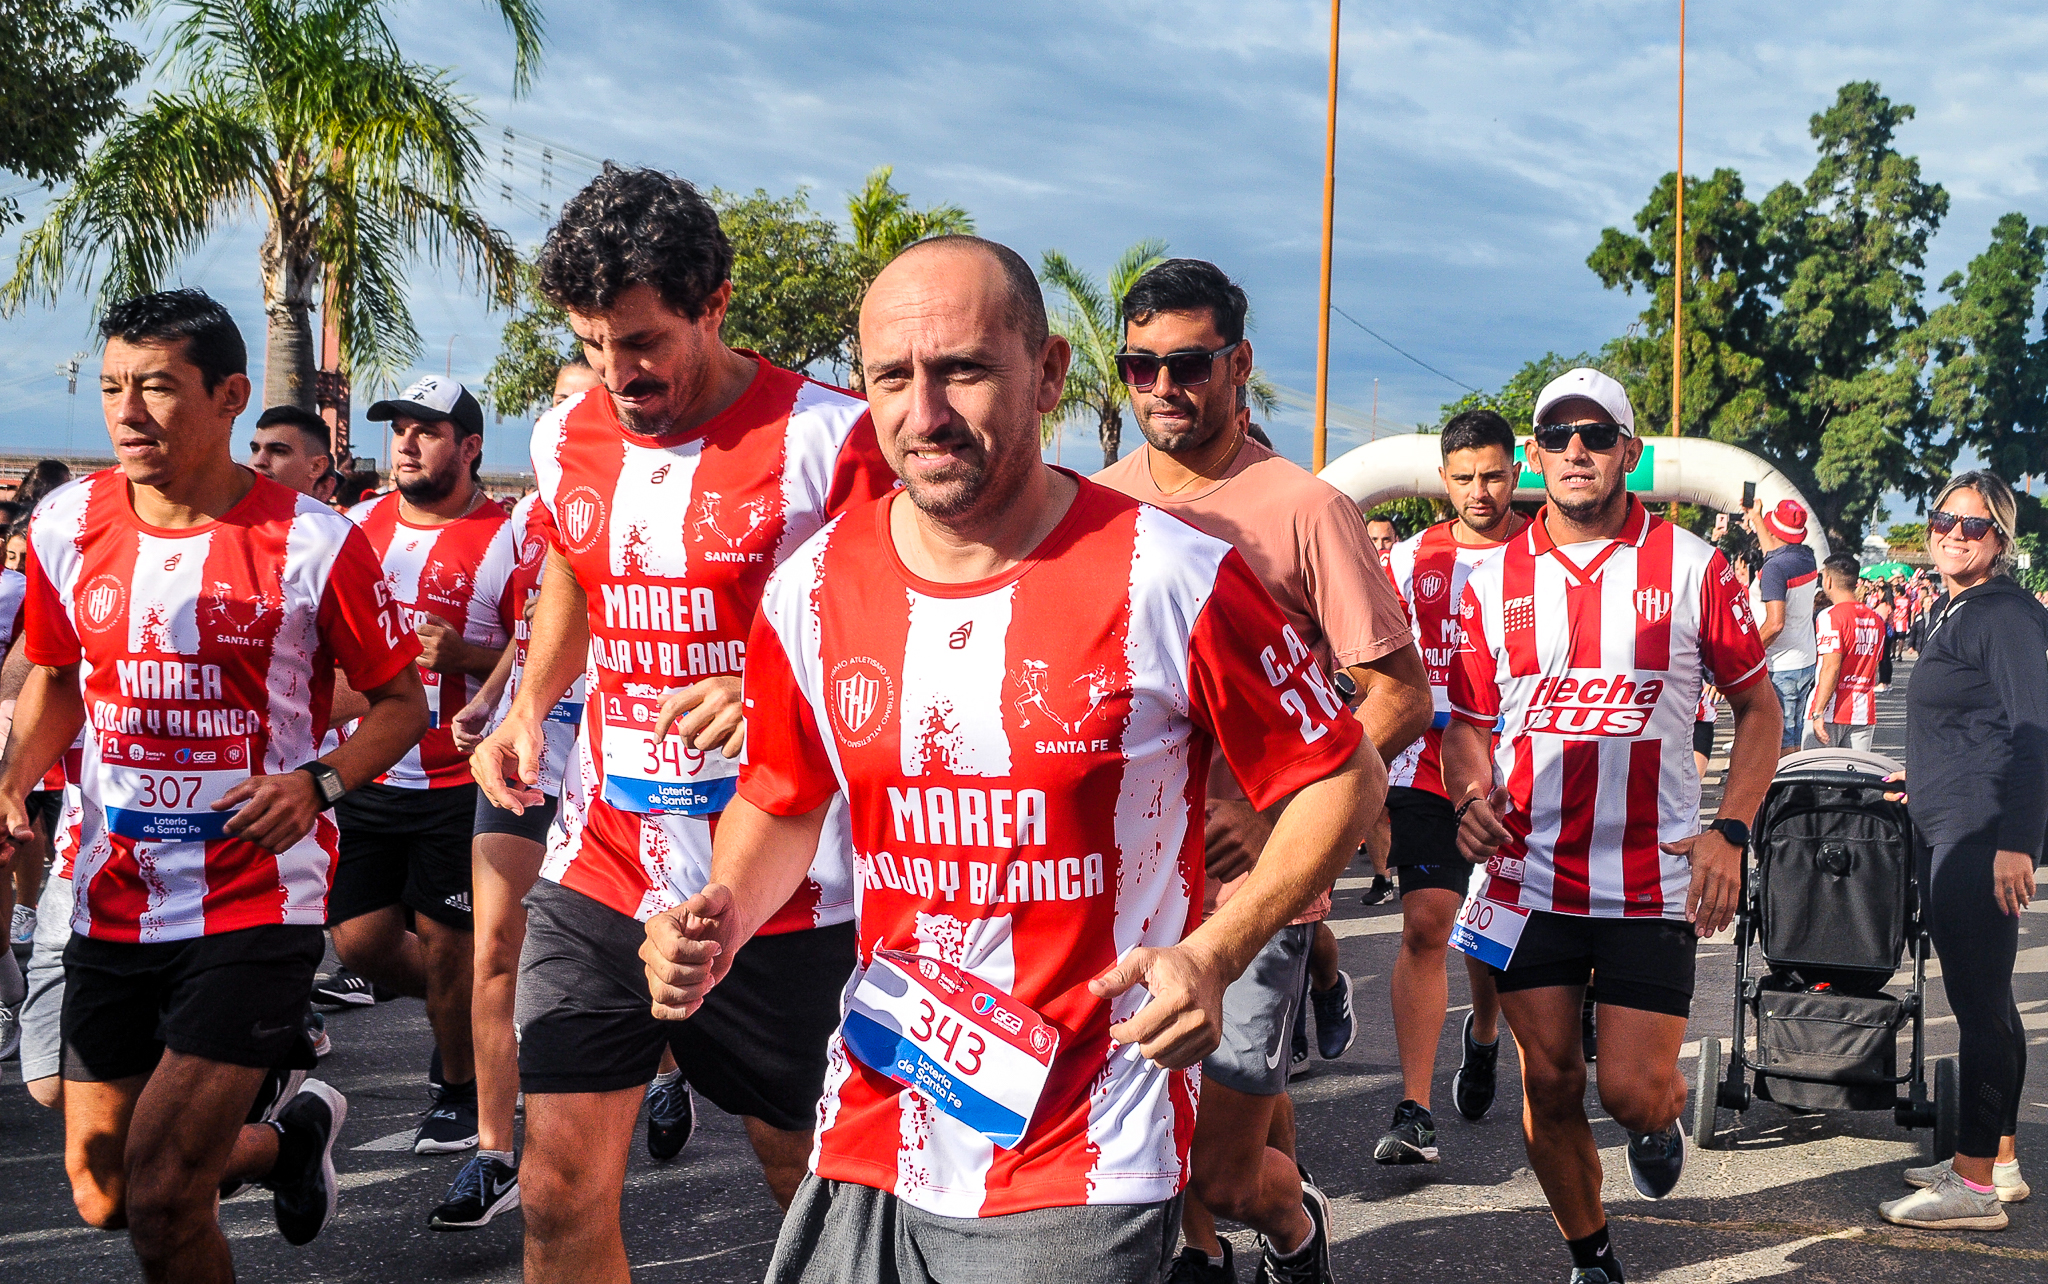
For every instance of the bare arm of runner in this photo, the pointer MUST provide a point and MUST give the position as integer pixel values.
(1717, 863)
(1316, 836)
(278, 809)
(47, 716)
(444, 650)
(349, 703)
(472, 718)
(1824, 691)
(556, 651)
(1468, 783)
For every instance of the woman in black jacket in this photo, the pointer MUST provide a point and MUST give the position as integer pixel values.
(1977, 768)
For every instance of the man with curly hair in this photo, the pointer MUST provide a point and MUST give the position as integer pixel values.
(668, 497)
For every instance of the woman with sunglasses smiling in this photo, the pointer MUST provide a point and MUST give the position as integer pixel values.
(1977, 761)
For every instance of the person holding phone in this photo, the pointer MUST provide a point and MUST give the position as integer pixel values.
(1977, 763)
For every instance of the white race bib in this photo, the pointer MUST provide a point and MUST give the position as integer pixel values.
(163, 791)
(642, 774)
(1488, 930)
(967, 1047)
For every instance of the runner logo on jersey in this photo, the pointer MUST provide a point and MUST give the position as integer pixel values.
(1653, 604)
(712, 518)
(862, 698)
(103, 601)
(581, 515)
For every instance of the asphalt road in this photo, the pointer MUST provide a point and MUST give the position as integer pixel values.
(1786, 1197)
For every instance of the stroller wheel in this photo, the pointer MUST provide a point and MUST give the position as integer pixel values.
(1948, 1109)
(1706, 1095)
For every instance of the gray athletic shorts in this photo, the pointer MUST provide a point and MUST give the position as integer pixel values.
(841, 1233)
(1258, 1017)
(42, 1035)
(1842, 735)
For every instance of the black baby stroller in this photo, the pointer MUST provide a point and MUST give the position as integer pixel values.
(1830, 898)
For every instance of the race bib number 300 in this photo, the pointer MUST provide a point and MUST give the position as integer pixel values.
(163, 791)
(1488, 930)
(643, 774)
(967, 1047)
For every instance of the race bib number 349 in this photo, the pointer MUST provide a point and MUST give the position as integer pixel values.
(970, 1049)
(643, 774)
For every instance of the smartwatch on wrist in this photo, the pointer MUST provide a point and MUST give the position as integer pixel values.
(1734, 831)
(326, 783)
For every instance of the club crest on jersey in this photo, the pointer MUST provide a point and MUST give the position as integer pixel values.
(580, 515)
(862, 696)
(1653, 604)
(1430, 585)
(101, 602)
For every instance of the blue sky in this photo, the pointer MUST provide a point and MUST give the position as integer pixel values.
(1482, 147)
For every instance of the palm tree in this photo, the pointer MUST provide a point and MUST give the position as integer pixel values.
(885, 224)
(1092, 321)
(307, 112)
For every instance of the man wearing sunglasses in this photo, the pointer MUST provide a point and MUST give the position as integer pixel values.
(1185, 358)
(1589, 635)
(1782, 595)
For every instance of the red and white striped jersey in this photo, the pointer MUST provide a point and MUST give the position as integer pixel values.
(1856, 633)
(205, 655)
(1025, 761)
(1429, 571)
(460, 571)
(531, 536)
(672, 539)
(1593, 654)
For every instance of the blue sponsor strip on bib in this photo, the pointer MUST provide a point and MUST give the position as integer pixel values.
(902, 1060)
(688, 798)
(569, 711)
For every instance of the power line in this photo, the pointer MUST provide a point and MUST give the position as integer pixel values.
(1398, 348)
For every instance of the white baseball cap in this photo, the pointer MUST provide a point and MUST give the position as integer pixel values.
(1592, 386)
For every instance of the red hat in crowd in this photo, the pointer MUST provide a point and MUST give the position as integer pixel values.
(1788, 521)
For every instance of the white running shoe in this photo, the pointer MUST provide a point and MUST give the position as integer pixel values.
(1946, 1205)
(2005, 1179)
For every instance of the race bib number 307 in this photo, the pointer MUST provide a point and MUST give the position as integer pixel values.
(163, 791)
(967, 1047)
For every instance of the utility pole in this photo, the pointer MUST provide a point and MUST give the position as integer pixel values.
(330, 382)
(1678, 246)
(68, 372)
(1322, 437)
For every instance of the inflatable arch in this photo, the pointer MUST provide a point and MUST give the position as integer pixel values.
(1689, 470)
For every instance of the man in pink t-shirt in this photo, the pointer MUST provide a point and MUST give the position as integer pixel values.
(1186, 360)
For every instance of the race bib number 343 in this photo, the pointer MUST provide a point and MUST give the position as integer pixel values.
(970, 1049)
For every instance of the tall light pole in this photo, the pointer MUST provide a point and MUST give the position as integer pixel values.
(1322, 439)
(1678, 246)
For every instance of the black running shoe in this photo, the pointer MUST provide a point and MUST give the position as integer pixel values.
(342, 988)
(272, 1096)
(671, 1118)
(485, 1187)
(449, 1127)
(1656, 1160)
(303, 1178)
(1410, 1140)
(1590, 1275)
(1473, 1087)
(1298, 1063)
(1312, 1266)
(1193, 1267)
(1382, 887)
(1336, 1026)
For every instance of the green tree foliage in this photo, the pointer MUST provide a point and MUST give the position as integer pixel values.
(796, 286)
(1847, 247)
(61, 75)
(536, 343)
(1906, 535)
(1990, 383)
(1090, 316)
(885, 223)
(1408, 515)
(358, 160)
(1515, 400)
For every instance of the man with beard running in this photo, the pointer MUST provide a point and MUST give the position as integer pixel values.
(198, 612)
(1589, 634)
(1185, 356)
(1013, 1089)
(448, 556)
(1479, 473)
(669, 498)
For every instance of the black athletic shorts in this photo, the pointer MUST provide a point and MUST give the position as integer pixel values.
(238, 997)
(532, 824)
(1425, 828)
(404, 846)
(1703, 738)
(1644, 963)
(1455, 876)
(47, 807)
(756, 1048)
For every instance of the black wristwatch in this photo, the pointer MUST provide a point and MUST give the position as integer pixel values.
(1733, 830)
(326, 782)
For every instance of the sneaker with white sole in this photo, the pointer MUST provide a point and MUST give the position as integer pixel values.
(671, 1118)
(1946, 1205)
(278, 1089)
(303, 1178)
(1411, 1139)
(485, 1187)
(1311, 1263)
(1475, 1084)
(21, 932)
(342, 988)
(10, 1030)
(449, 1126)
(2006, 1182)
(1336, 1024)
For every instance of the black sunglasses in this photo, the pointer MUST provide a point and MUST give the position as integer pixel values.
(1553, 438)
(1974, 528)
(1188, 369)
